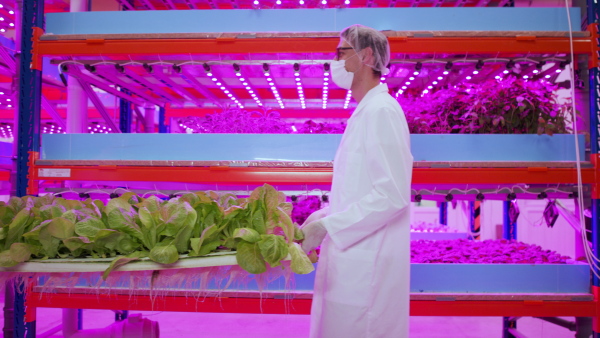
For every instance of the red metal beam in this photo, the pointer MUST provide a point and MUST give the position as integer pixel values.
(302, 306)
(169, 303)
(224, 175)
(459, 45)
(503, 308)
(245, 175)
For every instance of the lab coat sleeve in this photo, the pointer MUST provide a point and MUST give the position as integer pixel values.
(389, 168)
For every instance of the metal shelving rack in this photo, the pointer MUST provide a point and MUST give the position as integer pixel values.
(34, 47)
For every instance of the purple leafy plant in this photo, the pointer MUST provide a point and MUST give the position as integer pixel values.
(510, 106)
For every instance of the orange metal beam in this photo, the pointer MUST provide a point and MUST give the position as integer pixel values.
(302, 306)
(259, 175)
(501, 175)
(461, 45)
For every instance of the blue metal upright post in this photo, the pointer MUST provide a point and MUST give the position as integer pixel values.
(510, 227)
(593, 11)
(444, 213)
(510, 232)
(28, 128)
(162, 127)
(125, 114)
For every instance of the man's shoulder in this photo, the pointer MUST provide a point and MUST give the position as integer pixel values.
(385, 103)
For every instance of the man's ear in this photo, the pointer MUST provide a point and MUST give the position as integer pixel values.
(367, 56)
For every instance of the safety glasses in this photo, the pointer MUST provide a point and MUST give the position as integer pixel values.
(339, 50)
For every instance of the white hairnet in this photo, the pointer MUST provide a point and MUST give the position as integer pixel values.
(360, 37)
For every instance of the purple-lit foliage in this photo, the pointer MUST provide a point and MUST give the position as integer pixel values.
(237, 121)
(510, 106)
(500, 251)
(303, 207)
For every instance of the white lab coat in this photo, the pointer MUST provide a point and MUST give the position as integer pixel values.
(363, 276)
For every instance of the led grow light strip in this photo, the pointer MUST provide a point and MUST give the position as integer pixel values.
(439, 79)
(348, 97)
(274, 89)
(325, 88)
(248, 88)
(224, 89)
(299, 88)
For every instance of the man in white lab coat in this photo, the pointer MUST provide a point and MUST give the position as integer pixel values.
(363, 275)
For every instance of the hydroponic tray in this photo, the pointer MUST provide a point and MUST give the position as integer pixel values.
(436, 236)
(300, 164)
(101, 264)
(117, 36)
(302, 147)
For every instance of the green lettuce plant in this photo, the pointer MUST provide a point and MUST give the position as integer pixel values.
(129, 227)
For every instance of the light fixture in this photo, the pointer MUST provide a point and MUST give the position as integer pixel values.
(299, 85)
(326, 68)
(225, 90)
(418, 67)
(479, 65)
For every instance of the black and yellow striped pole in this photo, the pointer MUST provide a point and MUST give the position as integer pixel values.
(475, 222)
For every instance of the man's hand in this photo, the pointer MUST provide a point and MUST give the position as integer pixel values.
(314, 233)
(315, 216)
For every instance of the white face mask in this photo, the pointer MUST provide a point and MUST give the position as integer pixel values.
(340, 75)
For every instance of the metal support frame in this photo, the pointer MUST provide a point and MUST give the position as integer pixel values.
(593, 12)
(162, 77)
(510, 325)
(191, 79)
(510, 228)
(133, 76)
(121, 315)
(125, 114)
(92, 81)
(509, 232)
(11, 65)
(91, 94)
(148, 4)
(114, 79)
(444, 213)
(162, 127)
(475, 219)
(28, 130)
(126, 5)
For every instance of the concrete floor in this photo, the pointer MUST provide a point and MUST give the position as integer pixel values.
(209, 325)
